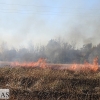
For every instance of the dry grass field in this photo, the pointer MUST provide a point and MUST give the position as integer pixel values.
(50, 84)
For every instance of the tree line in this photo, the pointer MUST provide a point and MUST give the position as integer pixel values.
(55, 51)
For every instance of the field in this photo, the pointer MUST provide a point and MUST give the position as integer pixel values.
(50, 84)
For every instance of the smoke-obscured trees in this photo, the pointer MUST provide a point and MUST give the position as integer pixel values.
(55, 51)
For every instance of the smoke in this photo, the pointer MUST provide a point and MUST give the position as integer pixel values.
(85, 31)
(41, 21)
(76, 24)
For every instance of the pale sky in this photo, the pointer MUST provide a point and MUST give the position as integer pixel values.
(38, 21)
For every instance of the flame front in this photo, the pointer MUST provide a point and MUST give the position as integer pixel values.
(75, 67)
(86, 66)
(40, 63)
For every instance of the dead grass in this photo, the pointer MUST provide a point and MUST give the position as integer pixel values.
(48, 84)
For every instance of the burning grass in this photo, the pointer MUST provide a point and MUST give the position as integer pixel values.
(50, 84)
(74, 67)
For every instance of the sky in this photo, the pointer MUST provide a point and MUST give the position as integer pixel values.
(37, 21)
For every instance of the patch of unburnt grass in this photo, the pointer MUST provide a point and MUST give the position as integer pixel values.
(50, 84)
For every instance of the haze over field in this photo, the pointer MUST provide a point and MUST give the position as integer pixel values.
(23, 22)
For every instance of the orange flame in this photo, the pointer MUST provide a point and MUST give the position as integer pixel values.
(86, 66)
(40, 63)
(75, 67)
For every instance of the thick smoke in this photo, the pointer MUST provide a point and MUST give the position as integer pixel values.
(78, 27)
(42, 21)
(55, 51)
(85, 30)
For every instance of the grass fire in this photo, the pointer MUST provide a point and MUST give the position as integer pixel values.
(75, 67)
(57, 71)
(44, 81)
(50, 49)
